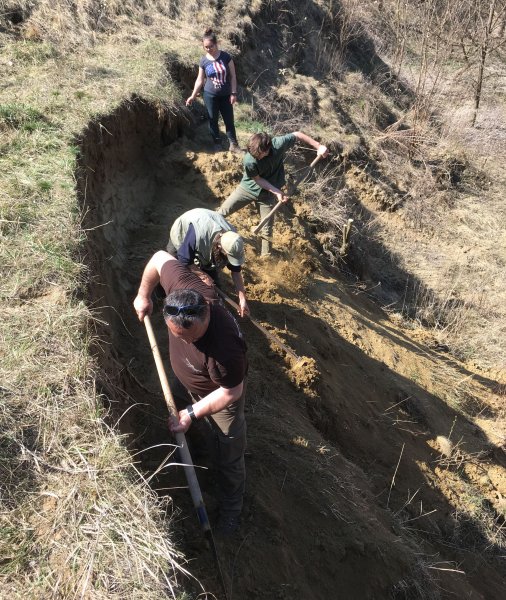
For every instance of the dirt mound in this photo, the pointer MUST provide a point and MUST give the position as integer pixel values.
(347, 494)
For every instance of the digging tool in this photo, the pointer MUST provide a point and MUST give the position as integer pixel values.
(186, 458)
(271, 336)
(297, 183)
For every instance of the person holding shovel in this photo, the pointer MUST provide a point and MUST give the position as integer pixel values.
(203, 238)
(208, 356)
(264, 176)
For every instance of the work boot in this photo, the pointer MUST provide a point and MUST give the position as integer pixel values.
(266, 248)
(228, 524)
(234, 147)
(217, 146)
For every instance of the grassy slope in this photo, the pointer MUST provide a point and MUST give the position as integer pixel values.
(77, 516)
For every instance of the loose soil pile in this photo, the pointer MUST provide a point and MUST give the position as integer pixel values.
(354, 490)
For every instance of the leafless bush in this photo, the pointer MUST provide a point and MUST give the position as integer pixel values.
(339, 28)
(328, 200)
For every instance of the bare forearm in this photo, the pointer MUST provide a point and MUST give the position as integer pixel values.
(197, 87)
(239, 283)
(209, 405)
(265, 185)
(150, 279)
(302, 137)
(199, 82)
(216, 401)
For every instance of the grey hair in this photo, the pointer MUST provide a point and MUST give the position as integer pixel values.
(180, 298)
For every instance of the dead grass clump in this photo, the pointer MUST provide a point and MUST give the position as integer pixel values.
(477, 526)
(328, 203)
(96, 529)
(78, 518)
(305, 374)
(420, 584)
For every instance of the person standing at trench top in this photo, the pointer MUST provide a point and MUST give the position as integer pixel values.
(208, 356)
(217, 75)
(264, 176)
(203, 238)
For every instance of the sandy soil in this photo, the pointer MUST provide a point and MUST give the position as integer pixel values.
(364, 478)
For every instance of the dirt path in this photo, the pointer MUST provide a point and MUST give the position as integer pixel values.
(325, 517)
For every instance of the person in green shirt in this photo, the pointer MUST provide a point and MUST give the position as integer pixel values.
(264, 176)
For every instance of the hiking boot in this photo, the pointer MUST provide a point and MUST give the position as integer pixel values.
(266, 247)
(217, 147)
(228, 524)
(234, 147)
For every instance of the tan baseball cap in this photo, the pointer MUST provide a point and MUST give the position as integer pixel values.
(233, 245)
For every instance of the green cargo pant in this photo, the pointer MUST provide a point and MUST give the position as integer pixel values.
(239, 198)
(229, 432)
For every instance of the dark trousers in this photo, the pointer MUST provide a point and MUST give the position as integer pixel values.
(228, 428)
(217, 105)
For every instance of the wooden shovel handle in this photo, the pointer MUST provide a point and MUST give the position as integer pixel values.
(164, 382)
(267, 217)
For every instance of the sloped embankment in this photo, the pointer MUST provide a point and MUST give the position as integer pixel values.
(322, 456)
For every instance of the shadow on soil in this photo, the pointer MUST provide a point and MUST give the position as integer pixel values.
(321, 460)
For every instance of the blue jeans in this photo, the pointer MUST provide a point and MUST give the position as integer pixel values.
(216, 105)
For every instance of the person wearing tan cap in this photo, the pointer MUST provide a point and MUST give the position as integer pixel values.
(203, 238)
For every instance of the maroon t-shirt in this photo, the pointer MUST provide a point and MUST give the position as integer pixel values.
(176, 276)
(218, 358)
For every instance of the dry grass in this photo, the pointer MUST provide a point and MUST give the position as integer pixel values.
(77, 520)
(445, 179)
(77, 517)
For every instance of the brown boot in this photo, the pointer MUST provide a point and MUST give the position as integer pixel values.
(234, 147)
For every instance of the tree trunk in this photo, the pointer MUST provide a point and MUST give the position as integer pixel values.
(483, 52)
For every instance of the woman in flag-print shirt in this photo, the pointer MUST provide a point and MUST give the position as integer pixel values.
(217, 75)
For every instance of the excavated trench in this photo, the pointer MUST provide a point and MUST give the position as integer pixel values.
(318, 457)
(132, 174)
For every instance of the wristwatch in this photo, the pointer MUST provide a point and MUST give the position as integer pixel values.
(191, 413)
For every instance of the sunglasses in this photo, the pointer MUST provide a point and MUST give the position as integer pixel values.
(186, 311)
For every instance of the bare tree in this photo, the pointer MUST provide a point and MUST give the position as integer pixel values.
(487, 43)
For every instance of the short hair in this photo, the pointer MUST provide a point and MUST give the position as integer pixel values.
(259, 142)
(189, 299)
(210, 35)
